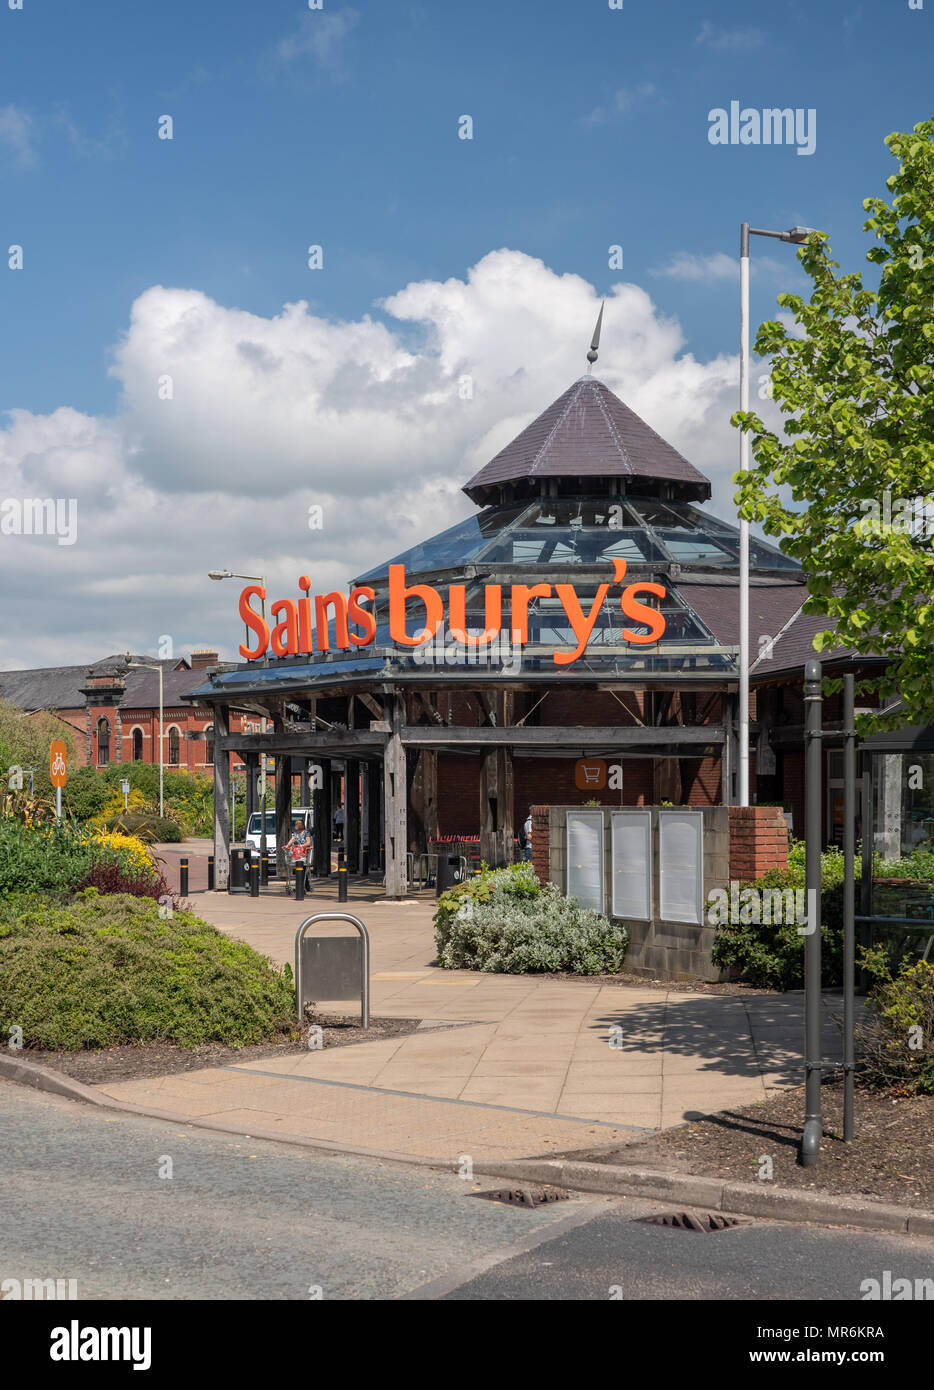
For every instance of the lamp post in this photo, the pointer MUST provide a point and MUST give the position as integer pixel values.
(257, 579)
(796, 235)
(151, 666)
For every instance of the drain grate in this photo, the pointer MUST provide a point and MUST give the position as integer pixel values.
(707, 1222)
(525, 1196)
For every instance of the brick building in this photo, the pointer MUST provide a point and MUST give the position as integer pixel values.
(113, 709)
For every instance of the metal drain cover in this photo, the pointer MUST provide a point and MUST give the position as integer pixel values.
(707, 1222)
(534, 1196)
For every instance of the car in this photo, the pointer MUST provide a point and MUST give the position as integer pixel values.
(255, 826)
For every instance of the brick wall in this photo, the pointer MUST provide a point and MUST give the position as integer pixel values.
(758, 841)
(541, 854)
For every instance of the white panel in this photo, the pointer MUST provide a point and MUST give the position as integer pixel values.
(585, 857)
(632, 864)
(681, 866)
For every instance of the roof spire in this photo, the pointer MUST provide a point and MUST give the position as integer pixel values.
(592, 354)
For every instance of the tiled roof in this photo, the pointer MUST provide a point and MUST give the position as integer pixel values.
(50, 687)
(588, 432)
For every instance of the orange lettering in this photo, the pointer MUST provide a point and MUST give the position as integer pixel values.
(582, 626)
(253, 622)
(492, 614)
(398, 593)
(341, 637)
(521, 593)
(287, 629)
(304, 615)
(362, 616)
(641, 613)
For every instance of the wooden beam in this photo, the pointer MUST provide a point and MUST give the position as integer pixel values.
(308, 744)
(221, 806)
(560, 736)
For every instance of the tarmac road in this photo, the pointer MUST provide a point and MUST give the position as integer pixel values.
(82, 1198)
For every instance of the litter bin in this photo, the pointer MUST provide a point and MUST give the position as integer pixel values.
(450, 872)
(237, 880)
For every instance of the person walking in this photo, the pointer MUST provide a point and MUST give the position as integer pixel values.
(527, 838)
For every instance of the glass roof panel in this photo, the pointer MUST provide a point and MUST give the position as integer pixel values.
(456, 546)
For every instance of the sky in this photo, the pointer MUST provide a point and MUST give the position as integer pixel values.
(175, 362)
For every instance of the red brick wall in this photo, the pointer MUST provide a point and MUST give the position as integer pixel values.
(758, 841)
(541, 850)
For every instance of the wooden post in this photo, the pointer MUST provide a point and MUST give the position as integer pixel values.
(283, 809)
(352, 815)
(489, 807)
(394, 801)
(221, 803)
(507, 805)
(322, 818)
(252, 768)
(374, 802)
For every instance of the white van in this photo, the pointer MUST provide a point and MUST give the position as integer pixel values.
(255, 826)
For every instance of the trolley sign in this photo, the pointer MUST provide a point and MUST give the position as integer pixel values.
(58, 763)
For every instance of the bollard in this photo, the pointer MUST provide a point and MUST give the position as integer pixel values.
(382, 859)
(183, 877)
(264, 869)
(210, 873)
(254, 878)
(342, 883)
(299, 872)
(365, 867)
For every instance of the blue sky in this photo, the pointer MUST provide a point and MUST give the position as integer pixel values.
(339, 127)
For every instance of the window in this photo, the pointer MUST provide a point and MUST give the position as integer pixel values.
(174, 741)
(209, 744)
(137, 745)
(103, 742)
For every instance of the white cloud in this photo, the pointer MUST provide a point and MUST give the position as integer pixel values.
(624, 100)
(320, 36)
(729, 40)
(17, 136)
(271, 415)
(693, 267)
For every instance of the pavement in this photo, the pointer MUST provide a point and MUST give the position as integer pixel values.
(503, 1067)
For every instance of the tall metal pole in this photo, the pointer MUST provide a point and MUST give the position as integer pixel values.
(161, 750)
(742, 781)
(813, 1128)
(849, 900)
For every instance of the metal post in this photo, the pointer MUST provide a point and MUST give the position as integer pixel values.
(183, 877)
(254, 879)
(813, 1129)
(342, 883)
(58, 803)
(299, 872)
(264, 867)
(742, 781)
(364, 961)
(210, 873)
(849, 900)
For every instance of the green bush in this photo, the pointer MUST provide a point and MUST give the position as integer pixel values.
(146, 826)
(508, 926)
(56, 858)
(896, 1037)
(85, 794)
(105, 971)
(188, 797)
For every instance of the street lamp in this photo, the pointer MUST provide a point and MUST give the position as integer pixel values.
(151, 666)
(257, 579)
(796, 235)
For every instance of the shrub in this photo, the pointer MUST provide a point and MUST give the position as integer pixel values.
(511, 930)
(147, 826)
(85, 794)
(101, 972)
(517, 881)
(60, 858)
(896, 1037)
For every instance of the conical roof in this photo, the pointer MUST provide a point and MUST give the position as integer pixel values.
(588, 432)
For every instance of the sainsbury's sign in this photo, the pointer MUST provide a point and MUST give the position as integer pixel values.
(302, 626)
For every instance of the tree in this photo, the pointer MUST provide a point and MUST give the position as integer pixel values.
(24, 743)
(853, 379)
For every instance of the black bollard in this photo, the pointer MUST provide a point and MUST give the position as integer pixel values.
(299, 883)
(183, 877)
(341, 883)
(264, 869)
(365, 869)
(254, 878)
(210, 873)
(382, 859)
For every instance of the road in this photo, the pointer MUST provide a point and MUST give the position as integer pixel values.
(82, 1198)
